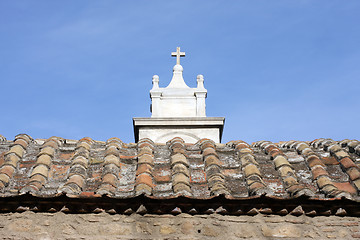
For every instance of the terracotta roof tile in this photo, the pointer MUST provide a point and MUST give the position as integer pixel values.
(291, 184)
(214, 179)
(319, 172)
(202, 171)
(144, 179)
(76, 177)
(78, 181)
(180, 167)
(4, 178)
(2, 138)
(353, 173)
(345, 186)
(343, 157)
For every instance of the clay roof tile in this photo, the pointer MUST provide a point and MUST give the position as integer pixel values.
(200, 171)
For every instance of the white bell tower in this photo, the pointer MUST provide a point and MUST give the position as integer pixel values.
(178, 111)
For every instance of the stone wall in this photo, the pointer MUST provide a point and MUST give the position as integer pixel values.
(30, 225)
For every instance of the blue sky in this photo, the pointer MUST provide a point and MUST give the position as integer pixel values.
(277, 70)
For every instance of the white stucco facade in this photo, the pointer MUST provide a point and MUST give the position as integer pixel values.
(161, 130)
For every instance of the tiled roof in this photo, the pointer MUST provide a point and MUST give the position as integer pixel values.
(322, 174)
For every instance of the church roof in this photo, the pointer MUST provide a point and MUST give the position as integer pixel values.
(317, 177)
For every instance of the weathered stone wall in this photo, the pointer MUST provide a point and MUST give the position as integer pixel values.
(30, 225)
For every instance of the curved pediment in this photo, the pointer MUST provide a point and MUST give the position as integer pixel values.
(187, 136)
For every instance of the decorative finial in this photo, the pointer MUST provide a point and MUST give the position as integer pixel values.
(200, 81)
(155, 82)
(178, 54)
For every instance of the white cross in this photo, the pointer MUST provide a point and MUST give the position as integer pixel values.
(178, 54)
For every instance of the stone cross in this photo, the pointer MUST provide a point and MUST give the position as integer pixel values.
(178, 54)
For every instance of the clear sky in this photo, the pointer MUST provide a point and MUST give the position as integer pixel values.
(277, 70)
